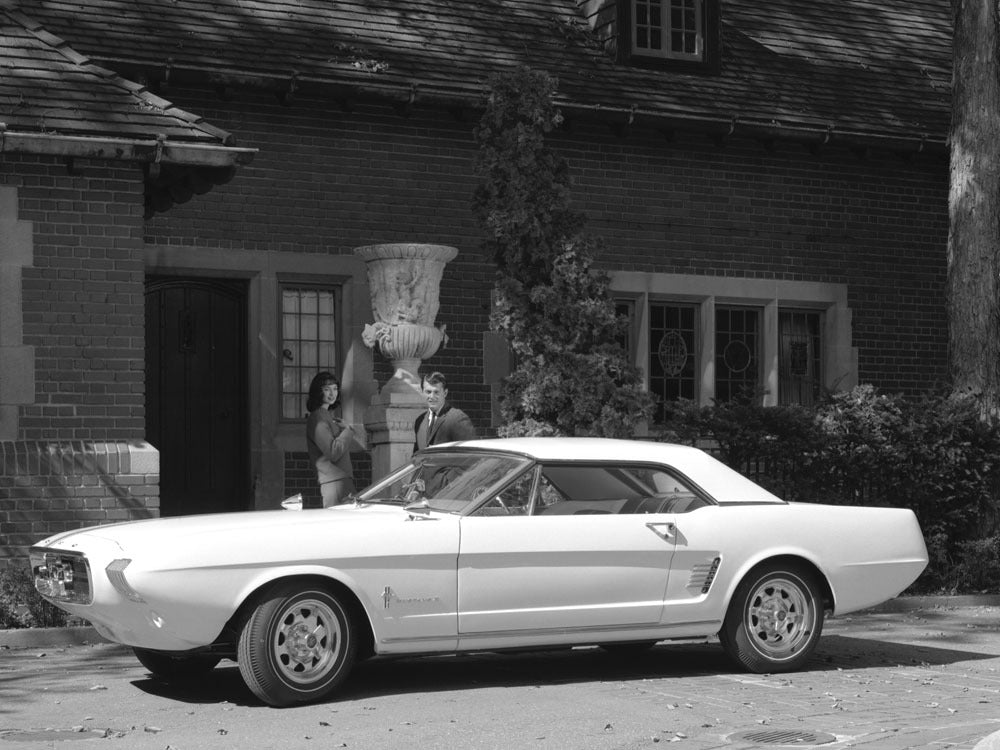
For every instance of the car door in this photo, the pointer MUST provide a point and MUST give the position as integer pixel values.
(411, 584)
(577, 558)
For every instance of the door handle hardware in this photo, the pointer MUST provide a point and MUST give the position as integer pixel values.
(664, 530)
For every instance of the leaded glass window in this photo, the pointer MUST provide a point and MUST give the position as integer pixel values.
(672, 352)
(737, 352)
(799, 355)
(309, 320)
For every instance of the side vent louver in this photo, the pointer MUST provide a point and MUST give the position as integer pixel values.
(703, 574)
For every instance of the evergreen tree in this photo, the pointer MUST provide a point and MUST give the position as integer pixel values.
(571, 374)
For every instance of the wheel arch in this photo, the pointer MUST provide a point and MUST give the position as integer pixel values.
(788, 558)
(356, 609)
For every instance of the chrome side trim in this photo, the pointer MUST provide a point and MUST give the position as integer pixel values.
(663, 630)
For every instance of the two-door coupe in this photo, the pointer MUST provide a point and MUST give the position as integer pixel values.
(485, 545)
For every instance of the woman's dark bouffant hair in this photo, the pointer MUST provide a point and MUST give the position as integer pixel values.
(315, 399)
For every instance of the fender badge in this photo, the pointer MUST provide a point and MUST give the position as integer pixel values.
(389, 596)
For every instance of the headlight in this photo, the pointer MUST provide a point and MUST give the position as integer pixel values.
(63, 576)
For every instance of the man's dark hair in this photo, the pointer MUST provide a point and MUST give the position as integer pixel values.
(436, 378)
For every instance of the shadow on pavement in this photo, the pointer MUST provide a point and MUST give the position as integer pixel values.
(431, 674)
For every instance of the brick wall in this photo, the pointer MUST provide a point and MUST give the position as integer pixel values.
(328, 179)
(48, 487)
(300, 476)
(72, 450)
(83, 302)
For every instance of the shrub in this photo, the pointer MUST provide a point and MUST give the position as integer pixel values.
(20, 604)
(977, 568)
(933, 454)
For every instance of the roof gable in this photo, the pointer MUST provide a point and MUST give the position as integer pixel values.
(62, 102)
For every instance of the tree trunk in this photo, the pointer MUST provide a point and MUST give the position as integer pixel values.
(974, 206)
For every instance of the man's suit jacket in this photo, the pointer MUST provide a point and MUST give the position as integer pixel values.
(450, 424)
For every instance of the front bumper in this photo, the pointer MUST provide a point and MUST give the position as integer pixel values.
(94, 589)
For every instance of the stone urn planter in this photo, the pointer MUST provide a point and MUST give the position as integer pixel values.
(405, 280)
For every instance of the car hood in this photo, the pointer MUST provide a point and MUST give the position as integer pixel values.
(247, 528)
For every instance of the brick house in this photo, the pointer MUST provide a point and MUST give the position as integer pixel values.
(770, 180)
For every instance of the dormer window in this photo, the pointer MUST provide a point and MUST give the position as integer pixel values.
(675, 34)
(671, 29)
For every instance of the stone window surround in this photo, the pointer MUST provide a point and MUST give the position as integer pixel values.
(17, 361)
(840, 358)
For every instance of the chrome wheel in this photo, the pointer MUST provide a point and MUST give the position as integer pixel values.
(774, 619)
(779, 617)
(306, 641)
(297, 645)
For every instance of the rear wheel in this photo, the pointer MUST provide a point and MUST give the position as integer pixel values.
(775, 619)
(176, 668)
(297, 645)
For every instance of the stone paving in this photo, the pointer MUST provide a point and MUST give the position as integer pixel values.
(922, 678)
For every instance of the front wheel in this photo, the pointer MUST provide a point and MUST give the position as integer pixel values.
(176, 668)
(297, 645)
(774, 620)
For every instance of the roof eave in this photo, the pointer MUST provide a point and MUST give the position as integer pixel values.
(134, 150)
(404, 95)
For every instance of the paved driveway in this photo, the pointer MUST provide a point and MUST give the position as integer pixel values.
(927, 678)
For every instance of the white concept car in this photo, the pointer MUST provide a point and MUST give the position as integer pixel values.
(485, 545)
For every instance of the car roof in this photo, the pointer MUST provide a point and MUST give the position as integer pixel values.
(720, 481)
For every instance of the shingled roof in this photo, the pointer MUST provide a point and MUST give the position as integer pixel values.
(841, 67)
(54, 100)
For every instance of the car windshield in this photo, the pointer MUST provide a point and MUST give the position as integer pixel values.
(451, 482)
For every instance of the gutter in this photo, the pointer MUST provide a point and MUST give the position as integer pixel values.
(621, 118)
(140, 150)
(721, 128)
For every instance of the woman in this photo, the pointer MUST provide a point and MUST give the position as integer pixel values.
(329, 440)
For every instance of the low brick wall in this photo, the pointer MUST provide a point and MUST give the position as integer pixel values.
(48, 487)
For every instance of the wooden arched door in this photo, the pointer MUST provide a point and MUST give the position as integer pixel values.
(196, 392)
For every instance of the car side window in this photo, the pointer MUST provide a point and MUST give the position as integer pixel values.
(512, 500)
(672, 495)
(547, 495)
(574, 489)
(578, 489)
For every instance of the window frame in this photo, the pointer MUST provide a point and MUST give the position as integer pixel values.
(738, 387)
(334, 284)
(694, 346)
(710, 40)
(838, 359)
(815, 339)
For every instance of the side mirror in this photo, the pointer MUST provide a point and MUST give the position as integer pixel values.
(292, 503)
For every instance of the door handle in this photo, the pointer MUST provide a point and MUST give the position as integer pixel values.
(664, 530)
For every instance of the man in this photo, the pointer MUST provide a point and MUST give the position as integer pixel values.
(442, 422)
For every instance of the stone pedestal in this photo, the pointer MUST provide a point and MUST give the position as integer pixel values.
(404, 280)
(389, 423)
